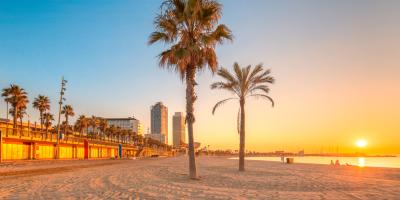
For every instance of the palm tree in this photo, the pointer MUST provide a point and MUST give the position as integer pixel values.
(17, 98)
(244, 83)
(81, 124)
(103, 125)
(111, 132)
(191, 29)
(67, 111)
(47, 119)
(94, 123)
(20, 115)
(41, 103)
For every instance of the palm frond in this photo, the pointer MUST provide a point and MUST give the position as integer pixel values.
(238, 73)
(220, 103)
(159, 36)
(264, 96)
(224, 73)
(263, 88)
(257, 69)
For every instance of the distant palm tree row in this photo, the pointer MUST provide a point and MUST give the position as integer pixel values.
(98, 128)
(89, 127)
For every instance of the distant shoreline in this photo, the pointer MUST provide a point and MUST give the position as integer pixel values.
(318, 155)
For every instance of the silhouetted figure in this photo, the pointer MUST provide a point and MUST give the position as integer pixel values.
(337, 163)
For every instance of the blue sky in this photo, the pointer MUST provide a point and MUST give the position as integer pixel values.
(317, 50)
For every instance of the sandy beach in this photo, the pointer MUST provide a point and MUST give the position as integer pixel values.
(166, 178)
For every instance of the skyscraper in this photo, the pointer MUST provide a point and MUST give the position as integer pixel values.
(159, 120)
(178, 129)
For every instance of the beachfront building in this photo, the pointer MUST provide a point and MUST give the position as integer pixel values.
(159, 121)
(159, 137)
(129, 123)
(29, 141)
(178, 129)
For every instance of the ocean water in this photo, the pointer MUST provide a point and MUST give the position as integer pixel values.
(391, 162)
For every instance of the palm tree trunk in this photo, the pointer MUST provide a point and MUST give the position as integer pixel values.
(15, 117)
(7, 112)
(66, 125)
(41, 122)
(242, 135)
(22, 127)
(190, 99)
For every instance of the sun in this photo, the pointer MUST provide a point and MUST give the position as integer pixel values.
(361, 143)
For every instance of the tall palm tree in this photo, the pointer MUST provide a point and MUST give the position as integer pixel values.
(41, 103)
(244, 83)
(67, 111)
(47, 119)
(81, 124)
(17, 98)
(190, 28)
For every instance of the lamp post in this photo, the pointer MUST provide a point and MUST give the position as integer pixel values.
(62, 91)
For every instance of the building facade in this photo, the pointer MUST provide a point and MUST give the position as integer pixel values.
(178, 129)
(159, 120)
(159, 137)
(129, 123)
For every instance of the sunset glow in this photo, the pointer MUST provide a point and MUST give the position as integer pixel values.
(200, 99)
(325, 71)
(361, 143)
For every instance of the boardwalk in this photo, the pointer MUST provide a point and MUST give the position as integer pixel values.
(166, 178)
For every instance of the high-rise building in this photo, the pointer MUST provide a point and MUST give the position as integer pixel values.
(178, 129)
(129, 123)
(159, 120)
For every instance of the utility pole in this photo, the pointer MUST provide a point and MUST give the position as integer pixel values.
(63, 83)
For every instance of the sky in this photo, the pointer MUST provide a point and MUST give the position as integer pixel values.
(336, 65)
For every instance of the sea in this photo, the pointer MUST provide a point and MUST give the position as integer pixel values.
(390, 162)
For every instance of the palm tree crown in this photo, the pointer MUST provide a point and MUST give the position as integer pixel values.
(41, 103)
(67, 111)
(47, 119)
(189, 26)
(244, 83)
(18, 98)
(94, 123)
(81, 123)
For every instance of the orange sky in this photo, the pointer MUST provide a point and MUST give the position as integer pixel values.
(336, 65)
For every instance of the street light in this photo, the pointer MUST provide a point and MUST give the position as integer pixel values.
(62, 99)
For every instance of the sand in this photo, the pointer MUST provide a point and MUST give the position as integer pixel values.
(166, 178)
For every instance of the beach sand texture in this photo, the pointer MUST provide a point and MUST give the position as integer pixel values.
(166, 178)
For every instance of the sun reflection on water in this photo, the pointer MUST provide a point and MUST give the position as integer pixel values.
(361, 162)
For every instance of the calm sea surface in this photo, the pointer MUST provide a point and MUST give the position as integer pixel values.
(392, 162)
